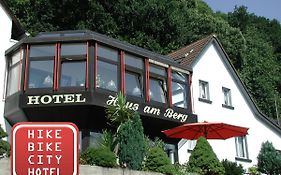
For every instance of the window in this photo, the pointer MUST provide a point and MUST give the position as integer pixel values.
(14, 73)
(73, 65)
(191, 145)
(179, 89)
(134, 75)
(204, 94)
(158, 86)
(107, 71)
(227, 103)
(41, 66)
(241, 147)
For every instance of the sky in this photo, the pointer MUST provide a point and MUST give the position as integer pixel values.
(268, 8)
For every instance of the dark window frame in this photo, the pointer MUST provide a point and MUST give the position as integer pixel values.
(40, 58)
(185, 84)
(72, 58)
(10, 66)
(138, 71)
(108, 61)
(158, 77)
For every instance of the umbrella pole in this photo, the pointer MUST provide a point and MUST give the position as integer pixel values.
(205, 132)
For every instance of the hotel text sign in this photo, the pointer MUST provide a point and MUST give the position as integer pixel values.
(168, 113)
(56, 99)
(44, 149)
(77, 98)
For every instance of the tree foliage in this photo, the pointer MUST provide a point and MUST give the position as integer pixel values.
(167, 25)
(158, 161)
(131, 141)
(4, 145)
(203, 160)
(231, 168)
(269, 159)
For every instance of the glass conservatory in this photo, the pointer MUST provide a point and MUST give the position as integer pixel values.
(73, 75)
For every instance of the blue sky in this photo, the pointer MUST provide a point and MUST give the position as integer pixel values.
(268, 8)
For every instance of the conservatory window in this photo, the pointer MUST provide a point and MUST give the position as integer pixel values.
(41, 74)
(73, 65)
(134, 75)
(179, 89)
(158, 85)
(14, 74)
(41, 66)
(107, 71)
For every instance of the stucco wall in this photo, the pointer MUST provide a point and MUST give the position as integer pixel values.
(5, 43)
(211, 68)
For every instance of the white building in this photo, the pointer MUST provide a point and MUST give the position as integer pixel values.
(10, 31)
(220, 96)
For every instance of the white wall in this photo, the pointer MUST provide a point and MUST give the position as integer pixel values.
(210, 68)
(5, 43)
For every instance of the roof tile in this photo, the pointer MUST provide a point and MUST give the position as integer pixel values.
(186, 55)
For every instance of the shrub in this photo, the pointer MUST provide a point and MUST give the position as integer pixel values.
(158, 161)
(269, 159)
(4, 145)
(101, 156)
(203, 160)
(253, 170)
(131, 143)
(231, 168)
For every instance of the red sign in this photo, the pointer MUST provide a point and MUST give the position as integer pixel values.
(44, 149)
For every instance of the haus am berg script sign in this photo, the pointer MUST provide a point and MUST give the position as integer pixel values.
(42, 148)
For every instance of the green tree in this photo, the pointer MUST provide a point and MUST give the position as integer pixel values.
(269, 159)
(158, 161)
(131, 143)
(4, 145)
(203, 160)
(118, 113)
(231, 168)
(260, 71)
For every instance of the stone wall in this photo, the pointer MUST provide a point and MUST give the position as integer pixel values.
(84, 170)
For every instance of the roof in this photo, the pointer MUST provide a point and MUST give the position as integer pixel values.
(87, 35)
(18, 31)
(187, 55)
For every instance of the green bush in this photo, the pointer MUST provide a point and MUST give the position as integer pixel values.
(101, 156)
(269, 159)
(131, 143)
(158, 161)
(203, 160)
(253, 170)
(231, 168)
(4, 145)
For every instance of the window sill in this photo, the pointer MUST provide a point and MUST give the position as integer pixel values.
(205, 100)
(228, 107)
(242, 159)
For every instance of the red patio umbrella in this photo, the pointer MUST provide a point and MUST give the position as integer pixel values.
(205, 129)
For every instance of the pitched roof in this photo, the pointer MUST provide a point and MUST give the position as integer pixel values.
(186, 55)
(18, 31)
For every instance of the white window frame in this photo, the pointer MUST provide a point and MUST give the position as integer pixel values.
(204, 90)
(191, 145)
(227, 100)
(241, 147)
